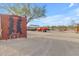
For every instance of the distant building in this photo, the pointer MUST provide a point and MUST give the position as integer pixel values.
(32, 27)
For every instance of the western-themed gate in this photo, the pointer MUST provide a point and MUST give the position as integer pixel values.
(12, 26)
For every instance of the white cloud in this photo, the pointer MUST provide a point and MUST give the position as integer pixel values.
(54, 20)
(73, 12)
(71, 4)
(76, 11)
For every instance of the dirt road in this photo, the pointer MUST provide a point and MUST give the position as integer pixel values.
(42, 44)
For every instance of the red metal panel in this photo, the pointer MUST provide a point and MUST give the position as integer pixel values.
(23, 26)
(0, 29)
(5, 26)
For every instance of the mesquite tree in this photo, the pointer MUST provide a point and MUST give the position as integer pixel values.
(31, 11)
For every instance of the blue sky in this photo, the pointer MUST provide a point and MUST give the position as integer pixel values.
(56, 14)
(59, 14)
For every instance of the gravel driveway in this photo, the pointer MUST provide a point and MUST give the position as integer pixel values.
(42, 44)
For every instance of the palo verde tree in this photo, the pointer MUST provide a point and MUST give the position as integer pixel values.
(31, 11)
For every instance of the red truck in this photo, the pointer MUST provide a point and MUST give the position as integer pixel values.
(44, 29)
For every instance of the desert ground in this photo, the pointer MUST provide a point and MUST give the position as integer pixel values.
(52, 43)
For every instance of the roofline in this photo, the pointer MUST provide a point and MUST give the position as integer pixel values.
(11, 15)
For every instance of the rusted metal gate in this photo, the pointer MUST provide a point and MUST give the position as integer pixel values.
(12, 26)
